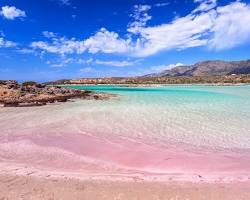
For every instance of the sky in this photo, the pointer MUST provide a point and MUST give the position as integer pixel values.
(45, 40)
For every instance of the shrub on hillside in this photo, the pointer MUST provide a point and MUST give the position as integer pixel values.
(29, 83)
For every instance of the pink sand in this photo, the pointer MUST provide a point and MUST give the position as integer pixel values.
(83, 153)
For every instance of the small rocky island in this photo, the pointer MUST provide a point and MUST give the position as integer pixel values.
(31, 93)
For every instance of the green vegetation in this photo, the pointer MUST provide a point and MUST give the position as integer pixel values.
(29, 83)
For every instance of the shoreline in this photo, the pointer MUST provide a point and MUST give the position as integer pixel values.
(91, 157)
(17, 180)
(159, 85)
(14, 186)
(24, 170)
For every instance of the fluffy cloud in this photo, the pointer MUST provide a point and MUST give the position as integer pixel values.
(6, 44)
(82, 61)
(49, 34)
(88, 70)
(60, 46)
(106, 42)
(103, 41)
(140, 17)
(231, 27)
(11, 12)
(26, 51)
(208, 25)
(115, 63)
(159, 68)
(161, 4)
(63, 62)
(185, 32)
(205, 5)
(218, 28)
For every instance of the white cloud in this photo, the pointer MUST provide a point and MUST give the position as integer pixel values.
(106, 42)
(83, 61)
(49, 34)
(140, 17)
(88, 70)
(205, 5)
(209, 26)
(11, 12)
(61, 63)
(231, 27)
(60, 46)
(159, 68)
(182, 33)
(103, 41)
(26, 51)
(220, 28)
(115, 63)
(161, 4)
(6, 43)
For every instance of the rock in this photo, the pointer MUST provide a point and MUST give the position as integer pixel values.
(61, 99)
(10, 104)
(31, 104)
(29, 94)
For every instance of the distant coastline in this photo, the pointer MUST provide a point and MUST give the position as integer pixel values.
(147, 81)
(158, 85)
(211, 72)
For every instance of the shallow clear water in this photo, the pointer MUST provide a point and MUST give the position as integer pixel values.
(215, 116)
(171, 130)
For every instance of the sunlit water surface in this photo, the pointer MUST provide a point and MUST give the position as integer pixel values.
(213, 116)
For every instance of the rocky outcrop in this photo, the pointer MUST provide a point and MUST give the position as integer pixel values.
(12, 94)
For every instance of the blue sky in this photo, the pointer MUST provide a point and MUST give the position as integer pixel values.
(53, 39)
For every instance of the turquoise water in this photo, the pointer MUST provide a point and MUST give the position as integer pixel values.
(217, 116)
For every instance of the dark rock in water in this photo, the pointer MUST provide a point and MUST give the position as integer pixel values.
(61, 99)
(51, 100)
(31, 104)
(10, 104)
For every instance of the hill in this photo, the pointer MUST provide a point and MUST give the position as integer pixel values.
(207, 68)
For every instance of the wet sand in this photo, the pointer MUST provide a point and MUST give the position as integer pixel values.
(50, 188)
(56, 167)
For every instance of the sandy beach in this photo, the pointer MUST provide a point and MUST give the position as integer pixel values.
(90, 149)
(50, 188)
(35, 167)
(124, 100)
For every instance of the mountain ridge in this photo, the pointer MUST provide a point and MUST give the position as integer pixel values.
(207, 68)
